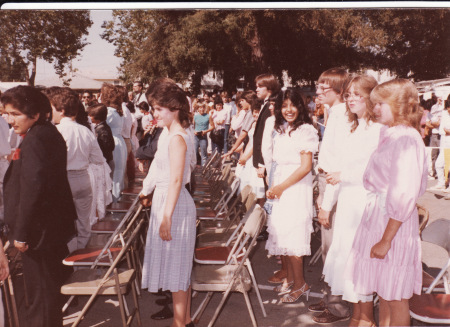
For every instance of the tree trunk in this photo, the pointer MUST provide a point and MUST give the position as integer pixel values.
(30, 78)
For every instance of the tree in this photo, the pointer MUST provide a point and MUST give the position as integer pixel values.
(237, 43)
(56, 36)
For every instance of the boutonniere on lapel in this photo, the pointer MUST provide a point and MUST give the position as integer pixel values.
(16, 154)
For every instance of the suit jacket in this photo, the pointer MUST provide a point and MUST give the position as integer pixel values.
(258, 135)
(39, 209)
(105, 140)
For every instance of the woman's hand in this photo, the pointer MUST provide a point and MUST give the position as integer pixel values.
(333, 178)
(324, 218)
(275, 192)
(260, 172)
(4, 264)
(380, 249)
(164, 229)
(242, 162)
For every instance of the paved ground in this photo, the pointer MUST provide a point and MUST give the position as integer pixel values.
(105, 310)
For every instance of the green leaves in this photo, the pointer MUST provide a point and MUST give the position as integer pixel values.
(53, 35)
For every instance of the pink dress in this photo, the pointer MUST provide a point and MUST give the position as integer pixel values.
(396, 176)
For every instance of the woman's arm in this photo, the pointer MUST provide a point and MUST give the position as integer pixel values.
(177, 153)
(276, 191)
(380, 249)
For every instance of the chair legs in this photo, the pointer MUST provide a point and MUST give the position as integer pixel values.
(202, 307)
(258, 294)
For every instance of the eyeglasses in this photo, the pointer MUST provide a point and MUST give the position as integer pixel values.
(85, 97)
(323, 89)
(357, 97)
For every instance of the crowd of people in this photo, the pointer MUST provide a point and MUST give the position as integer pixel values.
(76, 153)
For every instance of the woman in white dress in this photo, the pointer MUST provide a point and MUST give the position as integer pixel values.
(169, 248)
(245, 170)
(290, 224)
(351, 198)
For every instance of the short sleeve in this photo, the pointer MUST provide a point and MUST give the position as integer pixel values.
(307, 139)
(406, 174)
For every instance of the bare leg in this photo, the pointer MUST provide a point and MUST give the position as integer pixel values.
(283, 272)
(385, 313)
(188, 307)
(290, 270)
(354, 321)
(180, 302)
(297, 268)
(366, 314)
(399, 311)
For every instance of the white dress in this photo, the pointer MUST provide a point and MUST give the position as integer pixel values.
(247, 174)
(290, 224)
(351, 202)
(168, 264)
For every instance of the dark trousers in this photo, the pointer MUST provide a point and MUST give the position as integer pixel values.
(44, 274)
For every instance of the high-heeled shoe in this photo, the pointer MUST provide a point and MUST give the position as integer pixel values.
(284, 288)
(291, 298)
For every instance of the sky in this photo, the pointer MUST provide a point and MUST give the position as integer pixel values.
(97, 58)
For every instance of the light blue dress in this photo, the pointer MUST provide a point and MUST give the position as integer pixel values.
(115, 122)
(168, 264)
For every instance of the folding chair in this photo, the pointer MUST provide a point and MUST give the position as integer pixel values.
(224, 236)
(221, 269)
(237, 208)
(9, 299)
(115, 281)
(431, 307)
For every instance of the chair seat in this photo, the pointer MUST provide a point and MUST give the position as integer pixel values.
(86, 282)
(214, 239)
(85, 257)
(432, 306)
(213, 254)
(427, 280)
(119, 207)
(215, 278)
(206, 212)
(105, 226)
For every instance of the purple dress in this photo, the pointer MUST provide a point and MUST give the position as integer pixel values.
(396, 176)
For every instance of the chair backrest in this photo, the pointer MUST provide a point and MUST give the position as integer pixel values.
(424, 216)
(438, 232)
(123, 230)
(248, 235)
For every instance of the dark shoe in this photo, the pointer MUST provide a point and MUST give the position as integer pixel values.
(163, 302)
(165, 313)
(191, 324)
(317, 307)
(327, 317)
(264, 235)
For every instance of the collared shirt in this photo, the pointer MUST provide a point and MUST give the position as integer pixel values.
(435, 115)
(127, 122)
(82, 146)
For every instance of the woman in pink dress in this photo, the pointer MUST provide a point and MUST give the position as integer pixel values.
(386, 253)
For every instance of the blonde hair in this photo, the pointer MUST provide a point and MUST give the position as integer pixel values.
(403, 98)
(363, 84)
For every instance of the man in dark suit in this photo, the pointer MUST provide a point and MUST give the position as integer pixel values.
(266, 85)
(39, 209)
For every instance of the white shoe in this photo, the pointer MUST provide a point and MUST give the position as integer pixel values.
(447, 190)
(431, 178)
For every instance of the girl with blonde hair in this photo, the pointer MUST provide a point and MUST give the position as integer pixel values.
(386, 253)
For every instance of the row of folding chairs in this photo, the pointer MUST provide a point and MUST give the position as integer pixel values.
(229, 221)
(111, 263)
(433, 305)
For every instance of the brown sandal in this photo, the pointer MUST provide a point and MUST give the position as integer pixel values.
(275, 279)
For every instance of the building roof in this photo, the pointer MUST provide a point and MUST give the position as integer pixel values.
(78, 82)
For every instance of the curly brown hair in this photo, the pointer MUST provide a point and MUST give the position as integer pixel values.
(112, 96)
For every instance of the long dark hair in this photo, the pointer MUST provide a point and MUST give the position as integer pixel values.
(296, 97)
